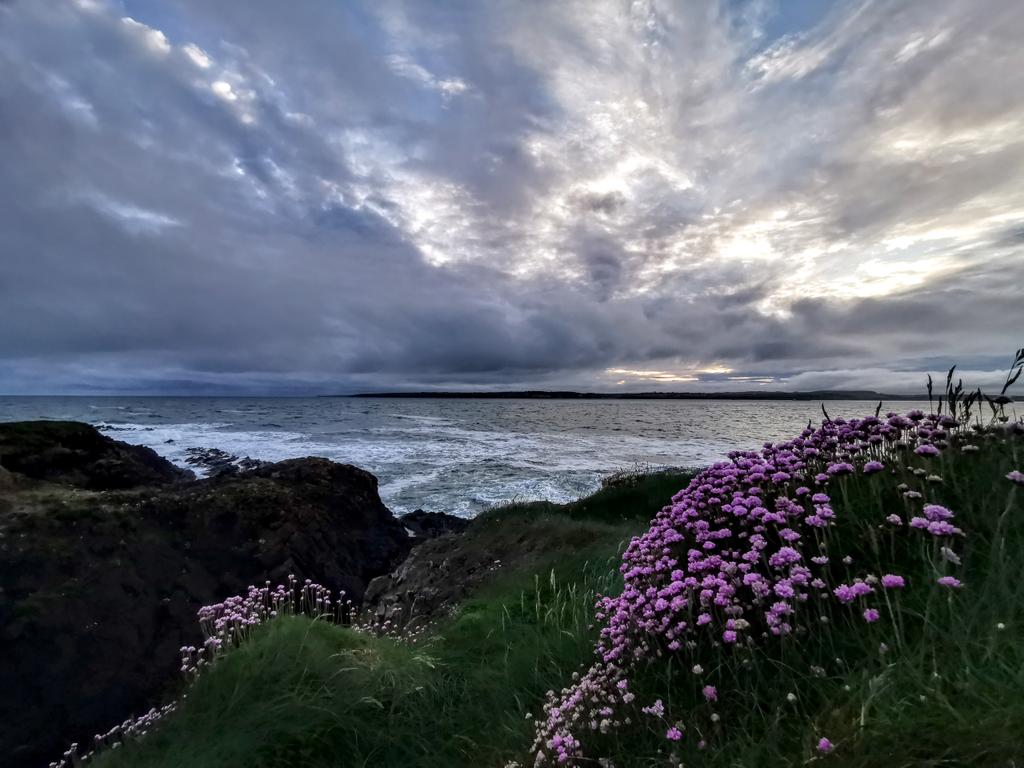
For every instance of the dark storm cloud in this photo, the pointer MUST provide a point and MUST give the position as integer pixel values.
(322, 196)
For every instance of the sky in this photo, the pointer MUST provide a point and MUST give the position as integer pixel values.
(264, 197)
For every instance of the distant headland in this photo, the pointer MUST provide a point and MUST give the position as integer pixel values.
(536, 394)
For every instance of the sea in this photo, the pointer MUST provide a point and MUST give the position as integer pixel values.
(459, 456)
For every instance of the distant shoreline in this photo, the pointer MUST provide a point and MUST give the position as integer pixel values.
(867, 395)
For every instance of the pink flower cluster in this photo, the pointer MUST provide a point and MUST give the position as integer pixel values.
(737, 558)
(227, 624)
(131, 728)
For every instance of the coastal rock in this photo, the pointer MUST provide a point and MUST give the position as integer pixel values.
(217, 462)
(101, 587)
(8, 481)
(429, 525)
(441, 572)
(77, 454)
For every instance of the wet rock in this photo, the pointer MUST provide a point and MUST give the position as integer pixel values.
(217, 462)
(428, 525)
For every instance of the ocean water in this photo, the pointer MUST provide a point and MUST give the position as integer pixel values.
(457, 456)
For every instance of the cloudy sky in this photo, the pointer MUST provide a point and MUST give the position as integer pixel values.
(316, 196)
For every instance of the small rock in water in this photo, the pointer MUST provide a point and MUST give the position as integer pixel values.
(217, 462)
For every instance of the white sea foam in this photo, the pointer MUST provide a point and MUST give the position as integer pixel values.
(456, 456)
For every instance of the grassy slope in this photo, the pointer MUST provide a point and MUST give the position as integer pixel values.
(949, 692)
(311, 694)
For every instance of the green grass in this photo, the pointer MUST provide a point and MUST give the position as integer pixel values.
(313, 694)
(948, 692)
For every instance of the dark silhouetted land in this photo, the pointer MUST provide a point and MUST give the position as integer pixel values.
(535, 394)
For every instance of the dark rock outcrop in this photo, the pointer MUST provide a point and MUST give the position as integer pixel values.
(100, 587)
(217, 462)
(76, 454)
(429, 525)
(441, 572)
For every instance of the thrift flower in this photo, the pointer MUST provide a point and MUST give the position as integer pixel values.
(892, 581)
(657, 709)
(871, 615)
(1016, 477)
(673, 734)
(824, 746)
(949, 581)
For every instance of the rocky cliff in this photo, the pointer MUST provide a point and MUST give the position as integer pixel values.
(107, 550)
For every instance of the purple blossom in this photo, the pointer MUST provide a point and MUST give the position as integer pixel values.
(926, 449)
(710, 693)
(942, 528)
(936, 512)
(657, 709)
(949, 581)
(785, 556)
(731, 550)
(844, 594)
(840, 468)
(673, 734)
(1016, 476)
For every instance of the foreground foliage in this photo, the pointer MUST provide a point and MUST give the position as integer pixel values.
(907, 650)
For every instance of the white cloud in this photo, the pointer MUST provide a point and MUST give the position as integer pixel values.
(404, 67)
(223, 89)
(155, 40)
(133, 218)
(197, 56)
(585, 192)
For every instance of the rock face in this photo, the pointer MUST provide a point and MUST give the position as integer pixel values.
(100, 587)
(429, 525)
(217, 462)
(76, 454)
